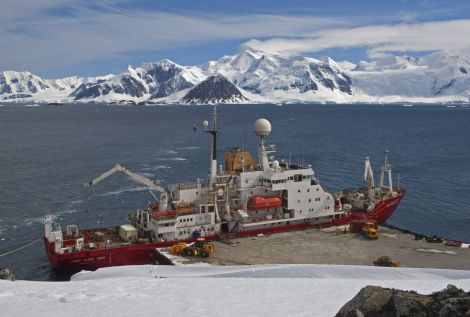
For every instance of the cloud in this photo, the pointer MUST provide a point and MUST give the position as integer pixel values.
(56, 33)
(379, 40)
(50, 34)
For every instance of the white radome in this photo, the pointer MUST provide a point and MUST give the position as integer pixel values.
(262, 127)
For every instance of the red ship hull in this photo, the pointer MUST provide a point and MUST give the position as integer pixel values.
(382, 211)
(143, 253)
(94, 259)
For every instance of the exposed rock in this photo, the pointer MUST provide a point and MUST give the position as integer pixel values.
(215, 89)
(5, 274)
(382, 302)
(444, 87)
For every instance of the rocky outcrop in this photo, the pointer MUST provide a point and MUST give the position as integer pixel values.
(5, 274)
(215, 89)
(383, 302)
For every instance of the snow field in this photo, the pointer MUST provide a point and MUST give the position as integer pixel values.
(261, 290)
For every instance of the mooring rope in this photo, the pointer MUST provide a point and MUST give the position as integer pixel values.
(20, 248)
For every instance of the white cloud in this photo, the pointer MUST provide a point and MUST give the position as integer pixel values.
(35, 39)
(50, 34)
(379, 39)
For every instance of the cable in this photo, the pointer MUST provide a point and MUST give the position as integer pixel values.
(20, 248)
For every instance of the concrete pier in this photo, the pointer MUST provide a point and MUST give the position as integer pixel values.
(335, 246)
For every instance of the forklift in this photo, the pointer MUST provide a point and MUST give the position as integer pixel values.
(199, 248)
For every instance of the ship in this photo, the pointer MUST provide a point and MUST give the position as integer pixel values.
(242, 197)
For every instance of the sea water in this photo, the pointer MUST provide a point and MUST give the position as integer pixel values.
(47, 153)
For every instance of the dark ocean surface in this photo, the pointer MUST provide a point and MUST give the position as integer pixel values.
(48, 152)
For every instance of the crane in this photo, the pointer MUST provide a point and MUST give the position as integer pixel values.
(163, 201)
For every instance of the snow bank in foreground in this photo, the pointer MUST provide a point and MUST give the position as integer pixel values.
(267, 290)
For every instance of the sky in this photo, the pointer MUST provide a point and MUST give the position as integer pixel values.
(58, 38)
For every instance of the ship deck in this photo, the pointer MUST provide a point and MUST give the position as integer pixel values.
(102, 238)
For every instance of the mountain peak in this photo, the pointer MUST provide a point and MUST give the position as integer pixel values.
(262, 76)
(215, 89)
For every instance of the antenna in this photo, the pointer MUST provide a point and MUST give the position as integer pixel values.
(243, 147)
(386, 167)
(262, 128)
(243, 144)
(212, 131)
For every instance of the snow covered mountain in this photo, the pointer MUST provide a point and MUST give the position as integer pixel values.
(24, 86)
(256, 76)
(151, 80)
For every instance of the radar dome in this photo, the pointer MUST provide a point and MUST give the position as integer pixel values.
(262, 127)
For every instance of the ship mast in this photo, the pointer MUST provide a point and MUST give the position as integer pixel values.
(369, 177)
(213, 131)
(387, 167)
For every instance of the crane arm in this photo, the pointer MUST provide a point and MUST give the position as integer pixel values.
(163, 203)
(138, 178)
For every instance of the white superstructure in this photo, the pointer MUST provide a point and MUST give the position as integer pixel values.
(245, 195)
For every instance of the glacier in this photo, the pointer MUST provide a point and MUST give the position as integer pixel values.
(259, 77)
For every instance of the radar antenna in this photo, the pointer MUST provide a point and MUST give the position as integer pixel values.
(262, 128)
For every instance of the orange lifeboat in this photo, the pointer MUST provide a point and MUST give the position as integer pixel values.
(264, 202)
(169, 213)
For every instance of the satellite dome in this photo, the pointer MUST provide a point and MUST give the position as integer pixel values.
(262, 127)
